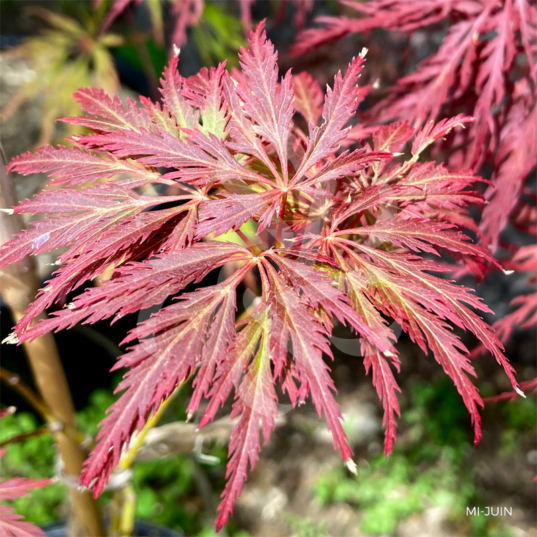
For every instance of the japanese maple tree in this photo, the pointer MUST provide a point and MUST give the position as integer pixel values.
(350, 236)
(486, 66)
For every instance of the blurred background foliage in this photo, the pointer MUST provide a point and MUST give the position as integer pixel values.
(67, 53)
(77, 44)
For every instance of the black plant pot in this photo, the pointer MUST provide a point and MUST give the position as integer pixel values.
(141, 529)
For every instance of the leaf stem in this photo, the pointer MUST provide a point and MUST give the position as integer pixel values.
(279, 232)
(128, 458)
(124, 500)
(248, 243)
(123, 512)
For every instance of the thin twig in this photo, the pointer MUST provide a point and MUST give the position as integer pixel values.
(13, 380)
(46, 429)
(55, 424)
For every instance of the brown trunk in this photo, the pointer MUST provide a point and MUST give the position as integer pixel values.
(18, 287)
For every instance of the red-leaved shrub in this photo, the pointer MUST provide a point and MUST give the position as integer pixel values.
(345, 236)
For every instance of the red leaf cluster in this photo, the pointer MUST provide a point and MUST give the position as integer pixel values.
(342, 235)
(523, 314)
(486, 66)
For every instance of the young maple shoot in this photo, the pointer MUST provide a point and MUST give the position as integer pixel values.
(344, 236)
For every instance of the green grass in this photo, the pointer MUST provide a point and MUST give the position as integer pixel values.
(430, 466)
(305, 527)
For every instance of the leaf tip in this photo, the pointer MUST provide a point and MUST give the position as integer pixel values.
(8, 411)
(351, 466)
(11, 339)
